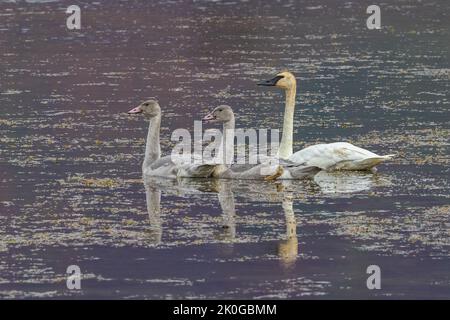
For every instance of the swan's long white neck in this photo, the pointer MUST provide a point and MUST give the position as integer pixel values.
(152, 146)
(285, 150)
(226, 151)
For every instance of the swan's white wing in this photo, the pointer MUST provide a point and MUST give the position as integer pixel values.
(329, 155)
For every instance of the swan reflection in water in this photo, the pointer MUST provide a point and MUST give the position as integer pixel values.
(282, 192)
(287, 249)
(348, 182)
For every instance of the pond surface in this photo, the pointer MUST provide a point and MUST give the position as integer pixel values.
(70, 157)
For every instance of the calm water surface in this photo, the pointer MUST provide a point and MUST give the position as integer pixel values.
(70, 157)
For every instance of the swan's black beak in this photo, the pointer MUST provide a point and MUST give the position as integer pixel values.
(270, 83)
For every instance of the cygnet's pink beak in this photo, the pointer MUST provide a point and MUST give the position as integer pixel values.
(135, 110)
(209, 117)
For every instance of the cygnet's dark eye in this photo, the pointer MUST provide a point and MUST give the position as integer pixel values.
(146, 104)
(220, 110)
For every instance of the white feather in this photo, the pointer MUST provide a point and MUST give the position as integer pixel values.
(338, 156)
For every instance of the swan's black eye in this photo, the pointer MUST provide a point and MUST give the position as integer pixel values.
(220, 110)
(146, 104)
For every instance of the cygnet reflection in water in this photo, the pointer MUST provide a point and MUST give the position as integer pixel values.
(287, 248)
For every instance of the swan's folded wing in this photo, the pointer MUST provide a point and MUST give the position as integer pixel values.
(251, 171)
(163, 167)
(196, 170)
(162, 163)
(328, 155)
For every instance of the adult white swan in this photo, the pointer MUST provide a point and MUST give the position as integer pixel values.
(154, 165)
(329, 156)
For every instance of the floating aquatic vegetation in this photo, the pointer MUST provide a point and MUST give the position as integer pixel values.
(91, 182)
